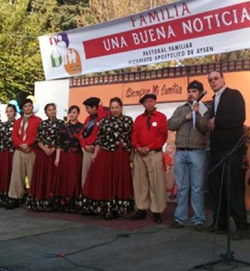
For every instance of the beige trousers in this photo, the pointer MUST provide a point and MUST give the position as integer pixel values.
(22, 166)
(150, 182)
(86, 163)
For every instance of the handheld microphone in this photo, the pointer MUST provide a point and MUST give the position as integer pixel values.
(203, 93)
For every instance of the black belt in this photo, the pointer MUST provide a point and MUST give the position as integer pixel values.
(157, 150)
(188, 149)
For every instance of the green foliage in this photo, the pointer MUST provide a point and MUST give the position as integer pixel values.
(21, 23)
(20, 61)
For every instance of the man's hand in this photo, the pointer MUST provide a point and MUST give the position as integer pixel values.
(90, 148)
(195, 107)
(143, 150)
(189, 116)
(23, 146)
(27, 150)
(211, 125)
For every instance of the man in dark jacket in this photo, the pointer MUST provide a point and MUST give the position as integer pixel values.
(226, 127)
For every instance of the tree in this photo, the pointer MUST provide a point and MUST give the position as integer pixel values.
(20, 60)
(106, 10)
(21, 23)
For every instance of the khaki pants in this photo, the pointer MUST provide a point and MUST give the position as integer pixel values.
(150, 182)
(86, 163)
(22, 166)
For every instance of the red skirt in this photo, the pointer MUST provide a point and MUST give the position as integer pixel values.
(108, 187)
(43, 176)
(41, 182)
(68, 176)
(6, 158)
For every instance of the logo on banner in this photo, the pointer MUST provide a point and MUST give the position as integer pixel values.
(61, 54)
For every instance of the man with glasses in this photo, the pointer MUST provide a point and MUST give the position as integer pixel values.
(226, 127)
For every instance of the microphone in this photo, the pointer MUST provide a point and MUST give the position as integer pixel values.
(203, 93)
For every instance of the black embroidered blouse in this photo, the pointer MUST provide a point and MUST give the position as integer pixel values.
(68, 137)
(1, 136)
(48, 132)
(8, 129)
(115, 131)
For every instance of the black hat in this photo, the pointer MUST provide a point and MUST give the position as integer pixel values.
(148, 96)
(26, 101)
(196, 85)
(92, 101)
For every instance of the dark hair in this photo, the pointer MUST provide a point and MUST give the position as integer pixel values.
(48, 105)
(74, 107)
(116, 99)
(12, 106)
(220, 72)
(26, 101)
(92, 102)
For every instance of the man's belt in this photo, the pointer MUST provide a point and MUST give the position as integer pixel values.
(188, 149)
(156, 150)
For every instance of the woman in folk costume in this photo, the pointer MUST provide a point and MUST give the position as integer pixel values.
(44, 168)
(6, 152)
(68, 162)
(108, 189)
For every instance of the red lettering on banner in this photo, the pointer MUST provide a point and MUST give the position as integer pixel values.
(159, 15)
(208, 23)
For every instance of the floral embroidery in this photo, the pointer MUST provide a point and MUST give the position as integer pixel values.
(68, 140)
(48, 132)
(114, 131)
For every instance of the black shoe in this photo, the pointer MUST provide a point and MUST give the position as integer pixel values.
(70, 207)
(14, 203)
(157, 218)
(140, 214)
(199, 227)
(240, 235)
(219, 230)
(176, 225)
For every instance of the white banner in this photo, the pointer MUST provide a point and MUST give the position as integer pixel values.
(180, 30)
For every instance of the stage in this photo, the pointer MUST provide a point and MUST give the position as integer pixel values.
(26, 236)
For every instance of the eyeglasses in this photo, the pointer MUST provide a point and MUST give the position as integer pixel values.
(214, 78)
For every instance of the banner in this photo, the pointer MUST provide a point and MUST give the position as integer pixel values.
(176, 31)
(167, 91)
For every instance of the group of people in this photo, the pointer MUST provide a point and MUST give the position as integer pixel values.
(109, 165)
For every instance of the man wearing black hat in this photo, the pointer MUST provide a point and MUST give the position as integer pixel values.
(190, 125)
(23, 137)
(150, 133)
(88, 135)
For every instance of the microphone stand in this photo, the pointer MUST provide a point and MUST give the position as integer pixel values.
(228, 256)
